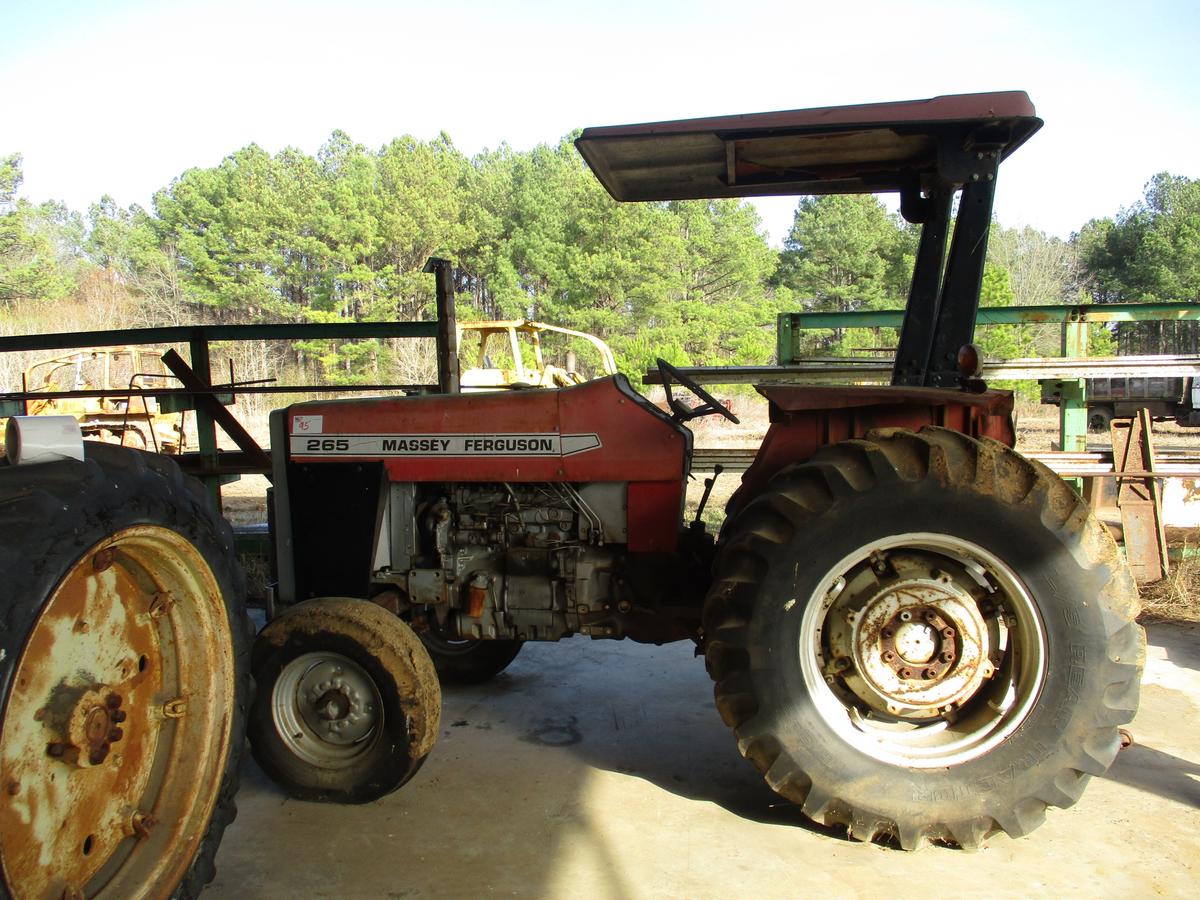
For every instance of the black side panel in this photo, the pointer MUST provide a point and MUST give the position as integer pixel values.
(335, 513)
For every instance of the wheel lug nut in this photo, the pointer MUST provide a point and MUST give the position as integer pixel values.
(930, 616)
(117, 715)
(113, 701)
(115, 734)
(946, 656)
(905, 616)
(929, 674)
(888, 655)
(140, 824)
(887, 632)
(947, 632)
(905, 673)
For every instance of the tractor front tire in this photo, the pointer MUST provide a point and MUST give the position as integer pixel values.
(124, 677)
(469, 660)
(348, 701)
(923, 637)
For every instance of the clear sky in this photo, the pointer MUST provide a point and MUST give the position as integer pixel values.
(120, 96)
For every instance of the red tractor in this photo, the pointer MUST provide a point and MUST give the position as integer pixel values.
(913, 631)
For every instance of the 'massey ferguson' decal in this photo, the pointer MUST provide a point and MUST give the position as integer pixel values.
(379, 445)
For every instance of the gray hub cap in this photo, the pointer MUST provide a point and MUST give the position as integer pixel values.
(327, 709)
(922, 650)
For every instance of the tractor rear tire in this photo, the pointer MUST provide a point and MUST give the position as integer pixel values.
(469, 660)
(348, 701)
(923, 637)
(124, 677)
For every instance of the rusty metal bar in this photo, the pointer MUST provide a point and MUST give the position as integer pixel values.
(1139, 498)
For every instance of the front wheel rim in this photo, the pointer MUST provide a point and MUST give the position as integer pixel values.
(922, 650)
(327, 709)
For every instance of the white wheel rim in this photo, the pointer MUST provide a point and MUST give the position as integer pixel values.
(944, 691)
(327, 710)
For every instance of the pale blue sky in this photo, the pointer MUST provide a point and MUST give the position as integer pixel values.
(120, 97)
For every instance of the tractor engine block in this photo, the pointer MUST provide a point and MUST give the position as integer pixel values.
(527, 561)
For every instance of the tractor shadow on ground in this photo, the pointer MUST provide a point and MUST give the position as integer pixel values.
(635, 710)
(1173, 677)
(1159, 773)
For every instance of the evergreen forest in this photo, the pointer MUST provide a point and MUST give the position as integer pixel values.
(343, 234)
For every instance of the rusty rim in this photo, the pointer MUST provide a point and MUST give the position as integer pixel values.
(118, 722)
(923, 650)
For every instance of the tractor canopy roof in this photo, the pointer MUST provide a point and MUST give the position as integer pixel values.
(914, 145)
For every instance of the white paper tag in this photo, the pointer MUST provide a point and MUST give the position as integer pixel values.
(308, 425)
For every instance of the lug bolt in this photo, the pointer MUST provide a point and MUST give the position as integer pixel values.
(930, 615)
(887, 632)
(905, 616)
(141, 824)
(888, 655)
(117, 715)
(175, 709)
(113, 701)
(946, 656)
(102, 560)
(905, 673)
(98, 755)
(947, 632)
(115, 734)
(929, 674)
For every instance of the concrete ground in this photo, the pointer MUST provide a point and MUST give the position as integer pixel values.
(601, 769)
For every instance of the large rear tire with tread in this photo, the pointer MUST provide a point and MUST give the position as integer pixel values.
(348, 701)
(124, 676)
(924, 637)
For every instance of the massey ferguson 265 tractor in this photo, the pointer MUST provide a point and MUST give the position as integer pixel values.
(914, 631)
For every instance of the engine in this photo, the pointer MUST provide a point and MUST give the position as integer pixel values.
(528, 561)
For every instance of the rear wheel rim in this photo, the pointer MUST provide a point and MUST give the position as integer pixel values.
(117, 726)
(922, 650)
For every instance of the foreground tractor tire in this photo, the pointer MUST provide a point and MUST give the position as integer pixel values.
(468, 661)
(348, 701)
(124, 672)
(923, 637)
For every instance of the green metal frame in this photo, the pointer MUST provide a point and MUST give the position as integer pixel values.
(790, 323)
